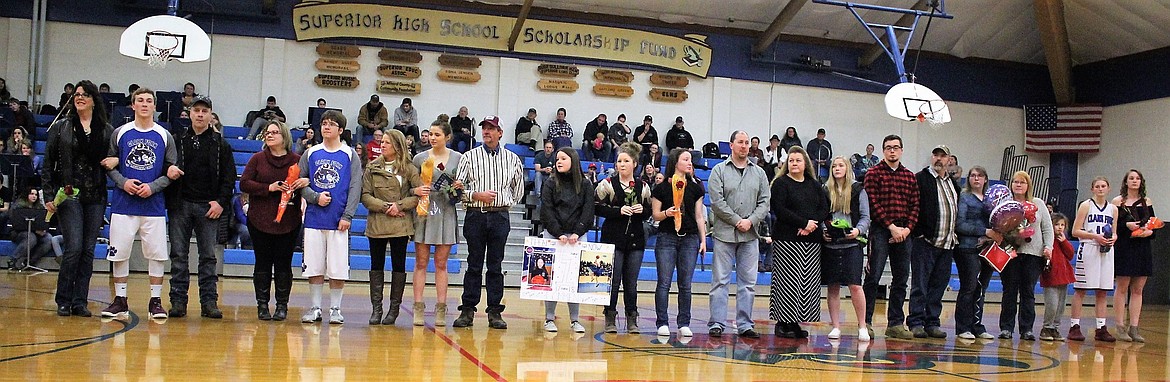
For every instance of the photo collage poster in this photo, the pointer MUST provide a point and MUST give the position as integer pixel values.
(571, 273)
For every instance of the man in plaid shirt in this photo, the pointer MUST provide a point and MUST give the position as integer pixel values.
(893, 201)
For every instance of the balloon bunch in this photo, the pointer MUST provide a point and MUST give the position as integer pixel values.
(1010, 218)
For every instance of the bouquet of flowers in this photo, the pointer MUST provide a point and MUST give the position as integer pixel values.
(427, 174)
(678, 185)
(445, 185)
(293, 173)
(63, 193)
(839, 229)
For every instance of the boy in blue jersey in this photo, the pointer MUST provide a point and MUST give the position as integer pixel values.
(139, 155)
(334, 172)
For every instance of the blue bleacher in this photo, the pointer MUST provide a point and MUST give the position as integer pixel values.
(235, 132)
(241, 158)
(43, 120)
(521, 150)
(39, 146)
(724, 148)
(246, 146)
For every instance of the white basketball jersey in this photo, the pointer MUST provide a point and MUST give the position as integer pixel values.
(1099, 217)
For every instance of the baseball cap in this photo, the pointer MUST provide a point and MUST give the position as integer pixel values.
(373, 97)
(648, 118)
(946, 150)
(203, 100)
(678, 119)
(532, 110)
(491, 120)
(406, 101)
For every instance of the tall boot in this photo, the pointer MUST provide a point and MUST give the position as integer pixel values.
(397, 284)
(283, 286)
(262, 281)
(377, 279)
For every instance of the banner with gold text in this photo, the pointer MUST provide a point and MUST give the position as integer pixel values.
(316, 20)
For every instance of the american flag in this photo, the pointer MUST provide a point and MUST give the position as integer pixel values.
(1062, 129)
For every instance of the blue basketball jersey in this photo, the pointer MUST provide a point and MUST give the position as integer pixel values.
(142, 156)
(328, 171)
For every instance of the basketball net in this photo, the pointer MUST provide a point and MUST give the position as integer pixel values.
(928, 114)
(160, 55)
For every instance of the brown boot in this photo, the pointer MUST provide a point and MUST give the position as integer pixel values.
(397, 284)
(440, 314)
(377, 280)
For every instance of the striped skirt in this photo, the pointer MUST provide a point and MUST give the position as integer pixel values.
(796, 282)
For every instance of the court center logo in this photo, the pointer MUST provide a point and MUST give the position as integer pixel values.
(327, 174)
(142, 155)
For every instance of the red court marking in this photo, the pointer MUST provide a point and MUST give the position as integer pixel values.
(466, 354)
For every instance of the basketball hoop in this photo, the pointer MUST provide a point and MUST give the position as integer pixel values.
(913, 102)
(159, 55)
(932, 114)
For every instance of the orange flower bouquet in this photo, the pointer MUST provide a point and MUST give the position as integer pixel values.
(678, 185)
(293, 173)
(427, 174)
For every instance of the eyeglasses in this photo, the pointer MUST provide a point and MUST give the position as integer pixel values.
(889, 148)
(82, 95)
(272, 132)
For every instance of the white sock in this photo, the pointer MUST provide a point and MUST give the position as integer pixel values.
(335, 298)
(120, 289)
(1074, 321)
(315, 294)
(155, 291)
(1100, 323)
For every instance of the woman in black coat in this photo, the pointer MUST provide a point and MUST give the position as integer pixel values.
(567, 214)
(624, 202)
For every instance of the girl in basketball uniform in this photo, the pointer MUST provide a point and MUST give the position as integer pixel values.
(1134, 253)
(1094, 268)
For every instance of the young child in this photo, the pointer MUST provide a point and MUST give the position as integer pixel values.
(1055, 279)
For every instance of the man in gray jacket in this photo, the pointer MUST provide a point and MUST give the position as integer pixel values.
(739, 199)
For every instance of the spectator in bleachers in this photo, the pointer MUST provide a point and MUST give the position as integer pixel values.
(679, 137)
(464, 131)
(592, 174)
(321, 102)
(23, 117)
(38, 161)
(791, 138)
(438, 228)
(527, 130)
(646, 135)
(270, 195)
(821, 152)
(18, 138)
(66, 95)
(560, 131)
(188, 95)
(216, 124)
(39, 240)
(104, 88)
(371, 117)
(305, 142)
(138, 207)
(954, 171)
(648, 174)
(862, 163)
(594, 142)
(130, 90)
(332, 197)
(755, 154)
(619, 133)
(270, 112)
(4, 92)
(678, 206)
(388, 191)
(543, 164)
(374, 146)
(360, 149)
(567, 216)
(75, 148)
(625, 204)
(204, 180)
(653, 157)
(406, 119)
(240, 237)
(739, 202)
(5, 206)
(423, 144)
(772, 156)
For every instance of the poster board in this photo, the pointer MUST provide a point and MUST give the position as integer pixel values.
(571, 273)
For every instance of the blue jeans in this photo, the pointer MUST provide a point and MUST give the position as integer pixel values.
(931, 270)
(187, 218)
(486, 234)
(80, 238)
(974, 276)
(626, 265)
(746, 257)
(673, 252)
(898, 254)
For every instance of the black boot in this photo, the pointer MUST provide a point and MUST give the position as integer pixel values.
(283, 289)
(377, 279)
(262, 281)
(397, 285)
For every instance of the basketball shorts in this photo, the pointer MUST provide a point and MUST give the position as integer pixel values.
(326, 254)
(152, 230)
(1094, 270)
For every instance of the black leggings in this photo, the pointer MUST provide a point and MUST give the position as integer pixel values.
(397, 253)
(274, 254)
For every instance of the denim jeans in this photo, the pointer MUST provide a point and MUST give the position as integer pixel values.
(80, 237)
(974, 276)
(187, 218)
(746, 256)
(486, 234)
(930, 272)
(30, 246)
(673, 252)
(1019, 281)
(898, 254)
(626, 266)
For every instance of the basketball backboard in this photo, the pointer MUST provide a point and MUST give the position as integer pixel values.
(185, 41)
(910, 101)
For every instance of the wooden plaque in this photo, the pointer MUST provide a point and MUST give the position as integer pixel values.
(623, 76)
(338, 65)
(558, 70)
(398, 87)
(565, 86)
(460, 61)
(459, 75)
(668, 95)
(337, 50)
(669, 80)
(404, 71)
(400, 56)
(335, 81)
(611, 90)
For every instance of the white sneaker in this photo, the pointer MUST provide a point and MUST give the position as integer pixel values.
(685, 331)
(550, 326)
(663, 330)
(577, 327)
(835, 333)
(335, 316)
(966, 336)
(313, 315)
(986, 336)
(863, 335)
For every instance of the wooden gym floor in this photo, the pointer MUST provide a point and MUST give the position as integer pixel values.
(38, 345)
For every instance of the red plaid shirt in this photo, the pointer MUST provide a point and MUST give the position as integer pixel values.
(893, 195)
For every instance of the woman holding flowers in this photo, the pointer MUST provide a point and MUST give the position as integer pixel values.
(624, 202)
(678, 204)
(436, 226)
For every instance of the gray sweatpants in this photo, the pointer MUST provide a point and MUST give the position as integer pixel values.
(1054, 305)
